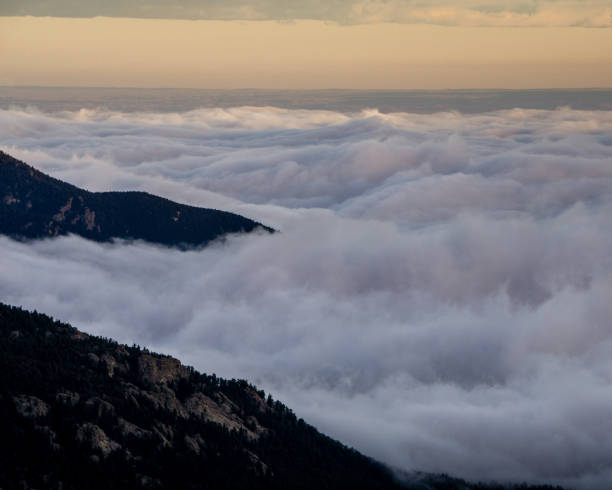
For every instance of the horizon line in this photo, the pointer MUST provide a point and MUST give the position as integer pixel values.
(329, 89)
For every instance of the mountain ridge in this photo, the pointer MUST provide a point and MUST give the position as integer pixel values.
(34, 205)
(103, 415)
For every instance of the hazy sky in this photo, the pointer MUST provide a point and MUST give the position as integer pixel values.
(106, 51)
(394, 44)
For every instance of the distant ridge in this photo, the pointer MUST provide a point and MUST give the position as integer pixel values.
(34, 205)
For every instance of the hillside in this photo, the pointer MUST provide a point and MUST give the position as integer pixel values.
(34, 205)
(79, 411)
(89, 413)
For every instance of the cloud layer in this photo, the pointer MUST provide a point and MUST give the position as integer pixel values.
(438, 296)
(586, 13)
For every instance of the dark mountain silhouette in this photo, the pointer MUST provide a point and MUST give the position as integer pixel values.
(34, 205)
(82, 412)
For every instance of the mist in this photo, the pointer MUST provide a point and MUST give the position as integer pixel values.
(438, 294)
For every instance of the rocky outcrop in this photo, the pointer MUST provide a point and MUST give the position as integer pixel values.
(156, 369)
(30, 407)
(195, 443)
(99, 407)
(128, 429)
(96, 439)
(223, 412)
(111, 364)
(163, 399)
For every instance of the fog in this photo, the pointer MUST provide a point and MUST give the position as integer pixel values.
(438, 295)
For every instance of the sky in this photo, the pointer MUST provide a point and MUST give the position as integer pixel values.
(438, 295)
(393, 44)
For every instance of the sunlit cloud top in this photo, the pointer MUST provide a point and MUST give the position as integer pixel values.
(584, 13)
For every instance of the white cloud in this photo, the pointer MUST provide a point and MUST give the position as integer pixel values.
(438, 295)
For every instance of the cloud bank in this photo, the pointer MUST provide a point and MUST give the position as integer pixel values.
(585, 13)
(438, 296)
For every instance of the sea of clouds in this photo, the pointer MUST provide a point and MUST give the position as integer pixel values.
(438, 296)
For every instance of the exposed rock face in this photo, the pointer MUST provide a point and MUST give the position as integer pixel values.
(132, 430)
(155, 369)
(96, 439)
(99, 407)
(164, 399)
(258, 400)
(9, 199)
(30, 407)
(255, 459)
(34, 205)
(223, 412)
(61, 215)
(113, 365)
(195, 443)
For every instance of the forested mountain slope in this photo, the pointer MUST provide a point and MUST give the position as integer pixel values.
(34, 205)
(82, 412)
